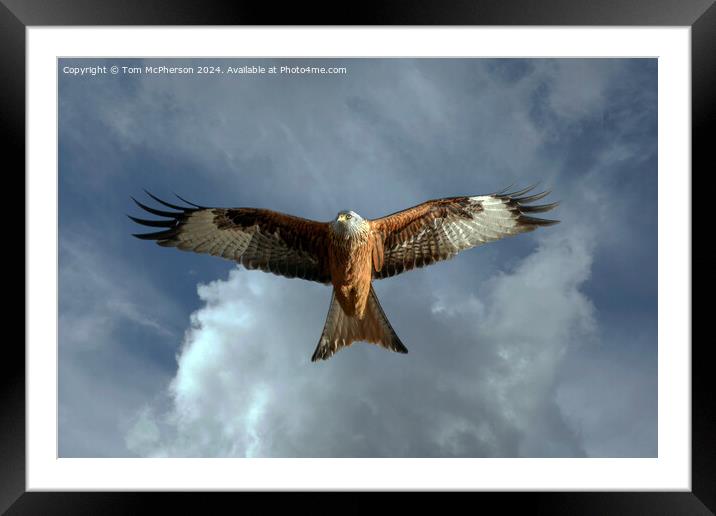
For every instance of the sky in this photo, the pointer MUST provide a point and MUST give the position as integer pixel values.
(538, 345)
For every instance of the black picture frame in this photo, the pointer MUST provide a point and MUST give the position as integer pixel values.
(17, 15)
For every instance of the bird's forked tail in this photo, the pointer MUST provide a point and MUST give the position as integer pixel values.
(341, 330)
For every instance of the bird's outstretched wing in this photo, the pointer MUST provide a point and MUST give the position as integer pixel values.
(258, 239)
(439, 229)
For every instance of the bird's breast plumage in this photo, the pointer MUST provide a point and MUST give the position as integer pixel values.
(350, 265)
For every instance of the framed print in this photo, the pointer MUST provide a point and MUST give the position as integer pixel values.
(555, 357)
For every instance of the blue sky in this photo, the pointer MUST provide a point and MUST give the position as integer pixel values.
(540, 345)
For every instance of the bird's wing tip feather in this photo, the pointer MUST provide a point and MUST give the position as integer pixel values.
(184, 209)
(197, 206)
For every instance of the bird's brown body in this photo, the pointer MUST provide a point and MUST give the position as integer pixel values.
(351, 267)
(348, 252)
(351, 276)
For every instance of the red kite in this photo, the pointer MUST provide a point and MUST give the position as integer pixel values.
(348, 252)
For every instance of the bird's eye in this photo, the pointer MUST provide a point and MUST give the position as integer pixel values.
(348, 215)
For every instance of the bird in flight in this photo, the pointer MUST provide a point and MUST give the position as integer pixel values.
(348, 252)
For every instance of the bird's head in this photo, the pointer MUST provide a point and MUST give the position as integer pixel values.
(349, 224)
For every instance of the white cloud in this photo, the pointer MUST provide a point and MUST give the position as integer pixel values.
(536, 313)
(143, 432)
